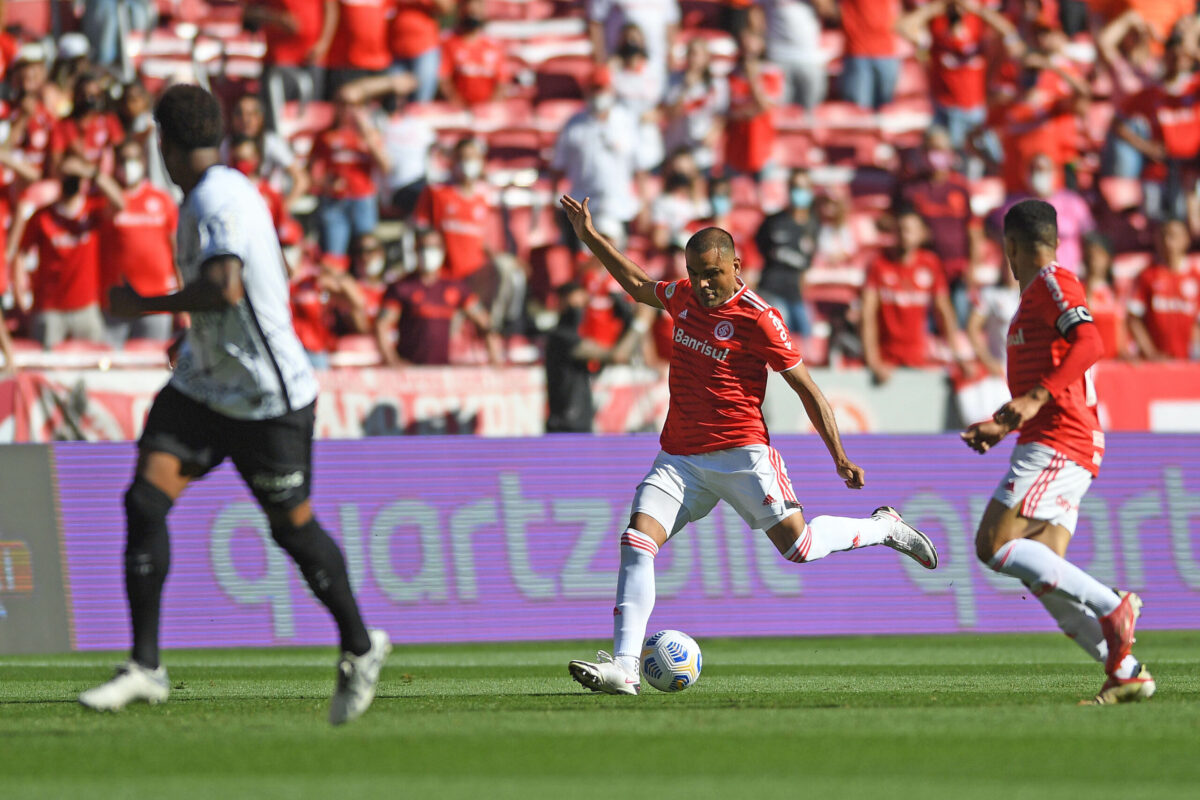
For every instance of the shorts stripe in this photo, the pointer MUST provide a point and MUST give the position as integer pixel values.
(785, 483)
(1034, 498)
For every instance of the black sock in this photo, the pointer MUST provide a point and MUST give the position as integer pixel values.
(323, 567)
(147, 559)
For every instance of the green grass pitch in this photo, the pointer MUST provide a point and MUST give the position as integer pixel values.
(877, 717)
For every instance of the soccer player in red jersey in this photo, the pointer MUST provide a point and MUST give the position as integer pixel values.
(715, 444)
(1165, 305)
(1029, 522)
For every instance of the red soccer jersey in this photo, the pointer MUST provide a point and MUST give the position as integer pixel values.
(426, 314)
(341, 161)
(1109, 317)
(136, 243)
(38, 125)
(462, 220)
(719, 369)
(1174, 116)
(750, 140)
(92, 136)
(414, 28)
(312, 318)
(1050, 306)
(476, 66)
(1167, 302)
(957, 62)
(906, 296)
(291, 49)
(869, 26)
(601, 322)
(361, 40)
(68, 273)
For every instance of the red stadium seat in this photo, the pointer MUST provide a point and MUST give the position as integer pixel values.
(564, 77)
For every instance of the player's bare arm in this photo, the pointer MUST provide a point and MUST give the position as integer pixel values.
(983, 436)
(821, 416)
(218, 287)
(1019, 410)
(633, 279)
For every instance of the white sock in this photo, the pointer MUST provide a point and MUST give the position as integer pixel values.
(1044, 571)
(825, 535)
(1080, 625)
(635, 598)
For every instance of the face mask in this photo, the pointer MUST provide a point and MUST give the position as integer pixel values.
(471, 168)
(801, 197)
(940, 160)
(374, 266)
(721, 205)
(246, 167)
(131, 172)
(1042, 182)
(431, 259)
(603, 101)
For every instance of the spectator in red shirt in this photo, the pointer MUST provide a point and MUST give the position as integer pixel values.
(319, 292)
(904, 284)
(461, 212)
(423, 307)
(473, 68)
(297, 42)
(360, 41)
(1108, 313)
(755, 88)
(1165, 306)
(137, 246)
(65, 234)
(415, 41)
(870, 66)
(90, 132)
(342, 161)
(955, 34)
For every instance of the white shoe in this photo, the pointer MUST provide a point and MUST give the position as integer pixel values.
(357, 677)
(906, 539)
(605, 675)
(131, 684)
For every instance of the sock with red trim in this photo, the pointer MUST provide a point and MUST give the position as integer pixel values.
(1081, 626)
(825, 535)
(635, 598)
(1044, 571)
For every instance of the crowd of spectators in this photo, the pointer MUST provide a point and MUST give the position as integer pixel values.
(861, 152)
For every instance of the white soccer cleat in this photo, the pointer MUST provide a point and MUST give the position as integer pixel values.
(357, 678)
(906, 539)
(605, 675)
(132, 683)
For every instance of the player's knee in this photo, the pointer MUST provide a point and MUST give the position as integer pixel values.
(287, 534)
(146, 506)
(985, 548)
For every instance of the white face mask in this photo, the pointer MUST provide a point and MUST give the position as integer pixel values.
(431, 259)
(132, 172)
(1042, 183)
(472, 168)
(603, 101)
(374, 267)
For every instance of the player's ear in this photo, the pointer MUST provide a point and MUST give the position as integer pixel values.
(737, 266)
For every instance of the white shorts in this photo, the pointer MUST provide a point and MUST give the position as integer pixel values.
(1044, 484)
(682, 489)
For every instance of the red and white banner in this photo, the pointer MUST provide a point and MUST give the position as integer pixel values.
(1160, 397)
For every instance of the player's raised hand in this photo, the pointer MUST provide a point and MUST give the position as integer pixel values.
(579, 215)
(982, 436)
(852, 474)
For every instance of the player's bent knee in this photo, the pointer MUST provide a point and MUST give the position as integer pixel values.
(146, 506)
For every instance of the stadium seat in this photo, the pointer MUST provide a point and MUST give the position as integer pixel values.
(563, 77)
(1121, 194)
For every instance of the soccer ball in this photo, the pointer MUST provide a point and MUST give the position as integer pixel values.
(671, 661)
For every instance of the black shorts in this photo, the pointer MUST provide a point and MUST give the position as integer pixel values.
(273, 456)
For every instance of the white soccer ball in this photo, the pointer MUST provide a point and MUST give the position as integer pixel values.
(671, 661)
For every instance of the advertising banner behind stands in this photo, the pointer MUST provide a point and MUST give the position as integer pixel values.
(454, 539)
(33, 609)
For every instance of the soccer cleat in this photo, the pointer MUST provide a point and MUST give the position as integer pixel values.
(906, 539)
(1118, 629)
(1139, 686)
(132, 683)
(357, 678)
(605, 675)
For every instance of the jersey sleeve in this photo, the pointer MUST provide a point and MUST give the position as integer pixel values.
(774, 343)
(221, 234)
(1063, 301)
(1139, 298)
(673, 295)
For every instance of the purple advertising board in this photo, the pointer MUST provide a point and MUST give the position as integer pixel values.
(467, 539)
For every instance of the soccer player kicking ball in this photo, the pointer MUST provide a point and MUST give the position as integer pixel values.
(714, 444)
(1031, 517)
(243, 389)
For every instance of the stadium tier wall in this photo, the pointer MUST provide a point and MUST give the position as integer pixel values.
(456, 539)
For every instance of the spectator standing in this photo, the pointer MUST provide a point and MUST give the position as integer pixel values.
(987, 324)
(639, 89)
(461, 212)
(904, 284)
(658, 21)
(787, 241)
(297, 43)
(343, 158)
(870, 63)
(793, 33)
(1108, 313)
(1165, 306)
(1074, 215)
(473, 67)
(360, 44)
(278, 164)
(31, 85)
(421, 308)
(137, 246)
(90, 132)
(246, 158)
(102, 25)
(696, 103)
(597, 153)
(415, 43)
(755, 87)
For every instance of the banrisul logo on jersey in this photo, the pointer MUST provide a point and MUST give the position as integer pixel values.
(701, 346)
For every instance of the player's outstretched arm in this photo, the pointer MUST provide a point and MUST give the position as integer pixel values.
(821, 416)
(632, 278)
(218, 287)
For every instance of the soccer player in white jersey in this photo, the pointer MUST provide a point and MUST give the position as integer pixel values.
(242, 389)
(714, 444)
(1025, 530)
